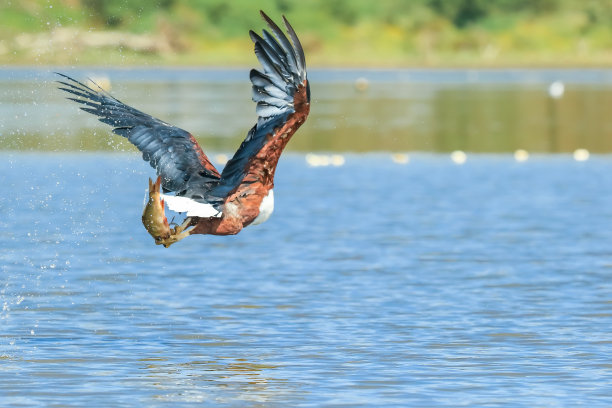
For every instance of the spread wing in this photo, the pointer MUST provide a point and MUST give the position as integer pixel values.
(282, 94)
(172, 152)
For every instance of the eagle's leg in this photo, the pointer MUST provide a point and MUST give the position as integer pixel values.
(187, 222)
(177, 233)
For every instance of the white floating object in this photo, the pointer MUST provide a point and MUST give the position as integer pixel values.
(362, 84)
(337, 160)
(317, 160)
(221, 159)
(556, 90)
(312, 159)
(521, 155)
(581, 155)
(322, 160)
(400, 158)
(458, 157)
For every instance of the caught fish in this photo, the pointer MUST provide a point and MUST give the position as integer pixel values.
(153, 216)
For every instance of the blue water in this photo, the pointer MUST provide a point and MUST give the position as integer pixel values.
(373, 284)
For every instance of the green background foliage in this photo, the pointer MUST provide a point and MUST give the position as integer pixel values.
(334, 32)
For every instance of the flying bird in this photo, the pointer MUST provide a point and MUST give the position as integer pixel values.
(219, 203)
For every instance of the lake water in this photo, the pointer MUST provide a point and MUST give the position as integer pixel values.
(401, 110)
(373, 284)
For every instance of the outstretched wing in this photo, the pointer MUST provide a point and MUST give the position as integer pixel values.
(282, 94)
(172, 152)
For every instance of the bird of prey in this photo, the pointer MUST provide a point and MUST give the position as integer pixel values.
(219, 203)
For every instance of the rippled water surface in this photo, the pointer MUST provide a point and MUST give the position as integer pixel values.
(373, 284)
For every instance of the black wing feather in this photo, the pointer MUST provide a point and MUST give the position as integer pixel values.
(274, 61)
(171, 151)
(289, 51)
(274, 90)
(301, 59)
(278, 50)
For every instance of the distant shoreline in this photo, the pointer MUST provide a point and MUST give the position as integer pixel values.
(343, 34)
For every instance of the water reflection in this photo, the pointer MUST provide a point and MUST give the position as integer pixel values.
(222, 380)
(440, 111)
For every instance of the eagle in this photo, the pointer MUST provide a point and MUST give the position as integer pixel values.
(218, 203)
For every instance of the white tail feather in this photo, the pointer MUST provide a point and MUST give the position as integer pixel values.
(189, 206)
(265, 208)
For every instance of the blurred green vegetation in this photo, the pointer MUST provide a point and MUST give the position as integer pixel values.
(333, 32)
